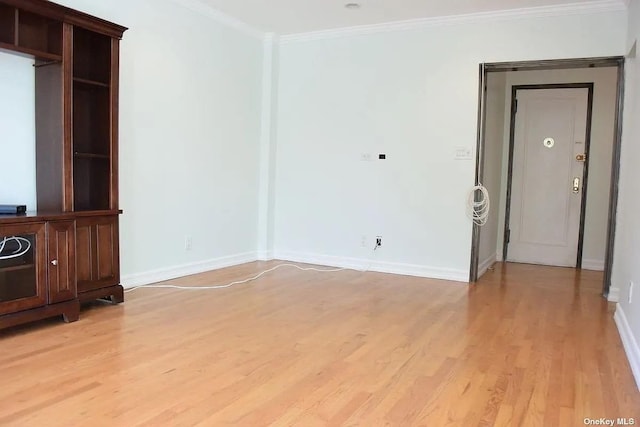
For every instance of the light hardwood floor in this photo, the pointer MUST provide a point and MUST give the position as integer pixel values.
(530, 346)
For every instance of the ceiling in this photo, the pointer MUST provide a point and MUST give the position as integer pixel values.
(299, 16)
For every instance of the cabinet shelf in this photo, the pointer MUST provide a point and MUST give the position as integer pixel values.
(31, 52)
(39, 33)
(79, 155)
(90, 82)
(91, 55)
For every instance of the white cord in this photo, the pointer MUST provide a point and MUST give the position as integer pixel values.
(478, 211)
(250, 279)
(18, 252)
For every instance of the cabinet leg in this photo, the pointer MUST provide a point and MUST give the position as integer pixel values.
(117, 297)
(72, 313)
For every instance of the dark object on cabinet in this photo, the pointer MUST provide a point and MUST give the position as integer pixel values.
(13, 209)
(68, 251)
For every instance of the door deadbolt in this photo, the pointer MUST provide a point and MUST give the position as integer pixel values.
(576, 185)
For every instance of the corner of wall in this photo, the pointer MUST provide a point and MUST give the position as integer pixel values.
(266, 177)
(163, 274)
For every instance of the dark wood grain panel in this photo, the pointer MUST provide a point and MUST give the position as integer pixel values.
(49, 135)
(84, 252)
(105, 240)
(98, 253)
(115, 108)
(61, 261)
(7, 24)
(39, 33)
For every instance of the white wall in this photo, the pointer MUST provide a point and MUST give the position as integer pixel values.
(626, 266)
(412, 95)
(602, 133)
(190, 100)
(493, 161)
(17, 131)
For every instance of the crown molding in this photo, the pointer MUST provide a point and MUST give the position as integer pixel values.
(202, 8)
(585, 8)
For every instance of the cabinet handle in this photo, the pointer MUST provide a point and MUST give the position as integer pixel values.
(54, 262)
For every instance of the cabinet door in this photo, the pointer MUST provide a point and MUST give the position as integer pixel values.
(97, 253)
(61, 242)
(22, 267)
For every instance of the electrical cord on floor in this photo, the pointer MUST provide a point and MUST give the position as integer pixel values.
(251, 279)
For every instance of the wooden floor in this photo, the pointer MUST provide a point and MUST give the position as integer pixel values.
(530, 346)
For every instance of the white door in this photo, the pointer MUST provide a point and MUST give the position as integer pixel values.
(546, 187)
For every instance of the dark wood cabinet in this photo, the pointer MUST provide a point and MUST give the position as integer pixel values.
(61, 266)
(75, 230)
(37, 265)
(98, 258)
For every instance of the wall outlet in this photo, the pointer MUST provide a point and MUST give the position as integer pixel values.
(378, 241)
(188, 243)
(631, 285)
(463, 153)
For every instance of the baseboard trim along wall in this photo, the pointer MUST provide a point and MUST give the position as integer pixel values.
(486, 264)
(174, 272)
(629, 343)
(593, 264)
(377, 266)
(614, 294)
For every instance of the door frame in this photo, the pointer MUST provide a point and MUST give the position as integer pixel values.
(585, 173)
(613, 61)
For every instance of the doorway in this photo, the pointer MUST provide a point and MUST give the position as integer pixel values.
(548, 170)
(552, 177)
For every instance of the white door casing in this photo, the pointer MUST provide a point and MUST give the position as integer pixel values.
(550, 131)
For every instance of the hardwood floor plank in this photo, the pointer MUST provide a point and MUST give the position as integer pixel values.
(527, 345)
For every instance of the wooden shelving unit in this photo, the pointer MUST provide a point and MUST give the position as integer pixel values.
(76, 59)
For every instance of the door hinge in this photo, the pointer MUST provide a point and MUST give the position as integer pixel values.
(508, 236)
(515, 106)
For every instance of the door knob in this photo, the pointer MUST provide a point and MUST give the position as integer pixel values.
(576, 185)
(54, 262)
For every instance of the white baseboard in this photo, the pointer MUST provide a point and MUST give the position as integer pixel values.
(265, 255)
(173, 272)
(378, 266)
(614, 294)
(593, 264)
(629, 342)
(484, 265)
